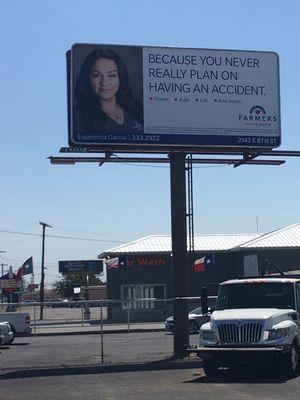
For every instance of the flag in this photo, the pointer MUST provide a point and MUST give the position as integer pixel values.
(202, 263)
(25, 269)
(112, 263)
(123, 262)
(8, 275)
(116, 263)
(5, 276)
(199, 265)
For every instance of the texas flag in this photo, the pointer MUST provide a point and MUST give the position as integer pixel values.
(25, 269)
(202, 263)
(112, 263)
(116, 263)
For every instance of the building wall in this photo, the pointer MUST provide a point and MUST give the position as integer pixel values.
(140, 270)
(284, 259)
(156, 269)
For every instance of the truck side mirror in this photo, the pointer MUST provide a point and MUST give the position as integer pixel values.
(204, 300)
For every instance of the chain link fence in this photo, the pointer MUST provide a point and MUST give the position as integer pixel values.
(122, 331)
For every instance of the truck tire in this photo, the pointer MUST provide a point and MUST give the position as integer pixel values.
(193, 326)
(210, 367)
(291, 361)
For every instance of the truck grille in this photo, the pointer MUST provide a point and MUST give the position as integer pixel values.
(247, 333)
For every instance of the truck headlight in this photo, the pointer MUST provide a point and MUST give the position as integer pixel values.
(275, 334)
(208, 335)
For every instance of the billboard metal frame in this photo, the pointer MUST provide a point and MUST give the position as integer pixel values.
(237, 156)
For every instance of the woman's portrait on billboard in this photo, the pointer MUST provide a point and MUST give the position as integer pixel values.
(104, 100)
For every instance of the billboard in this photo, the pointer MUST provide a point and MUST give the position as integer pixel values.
(86, 266)
(138, 97)
(10, 284)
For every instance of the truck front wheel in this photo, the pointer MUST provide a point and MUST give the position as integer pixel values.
(210, 367)
(291, 361)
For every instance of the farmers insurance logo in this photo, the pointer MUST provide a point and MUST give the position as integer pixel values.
(257, 110)
(257, 114)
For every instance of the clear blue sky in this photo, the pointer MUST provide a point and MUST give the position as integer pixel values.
(115, 203)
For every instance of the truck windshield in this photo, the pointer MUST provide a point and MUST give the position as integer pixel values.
(256, 295)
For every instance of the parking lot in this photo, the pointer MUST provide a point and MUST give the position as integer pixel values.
(136, 365)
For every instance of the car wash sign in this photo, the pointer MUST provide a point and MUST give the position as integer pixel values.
(166, 97)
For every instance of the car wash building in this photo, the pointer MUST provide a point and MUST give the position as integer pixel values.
(142, 269)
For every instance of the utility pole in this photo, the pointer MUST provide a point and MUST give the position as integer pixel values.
(42, 286)
(2, 271)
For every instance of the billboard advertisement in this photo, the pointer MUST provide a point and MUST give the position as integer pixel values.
(158, 96)
(86, 266)
(10, 284)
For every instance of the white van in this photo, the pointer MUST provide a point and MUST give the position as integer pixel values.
(19, 322)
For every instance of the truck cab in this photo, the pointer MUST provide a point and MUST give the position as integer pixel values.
(255, 319)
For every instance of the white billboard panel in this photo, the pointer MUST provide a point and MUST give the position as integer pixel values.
(141, 96)
(9, 283)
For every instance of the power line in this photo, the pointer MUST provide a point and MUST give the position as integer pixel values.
(20, 233)
(10, 243)
(61, 237)
(86, 239)
(91, 233)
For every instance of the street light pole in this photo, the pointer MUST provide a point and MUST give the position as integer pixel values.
(42, 286)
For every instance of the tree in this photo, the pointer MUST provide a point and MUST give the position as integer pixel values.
(64, 287)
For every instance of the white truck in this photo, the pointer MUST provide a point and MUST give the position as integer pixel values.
(19, 322)
(255, 319)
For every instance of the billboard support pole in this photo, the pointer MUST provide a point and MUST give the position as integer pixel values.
(179, 253)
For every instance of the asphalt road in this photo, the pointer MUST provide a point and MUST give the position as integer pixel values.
(136, 366)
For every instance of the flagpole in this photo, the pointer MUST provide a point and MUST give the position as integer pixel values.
(32, 288)
(32, 282)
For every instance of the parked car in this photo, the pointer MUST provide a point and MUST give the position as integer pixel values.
(6, 334)
(91, 303)
(196, 319)
(59, 303)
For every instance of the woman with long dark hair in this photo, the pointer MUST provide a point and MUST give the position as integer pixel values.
(104, 101)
